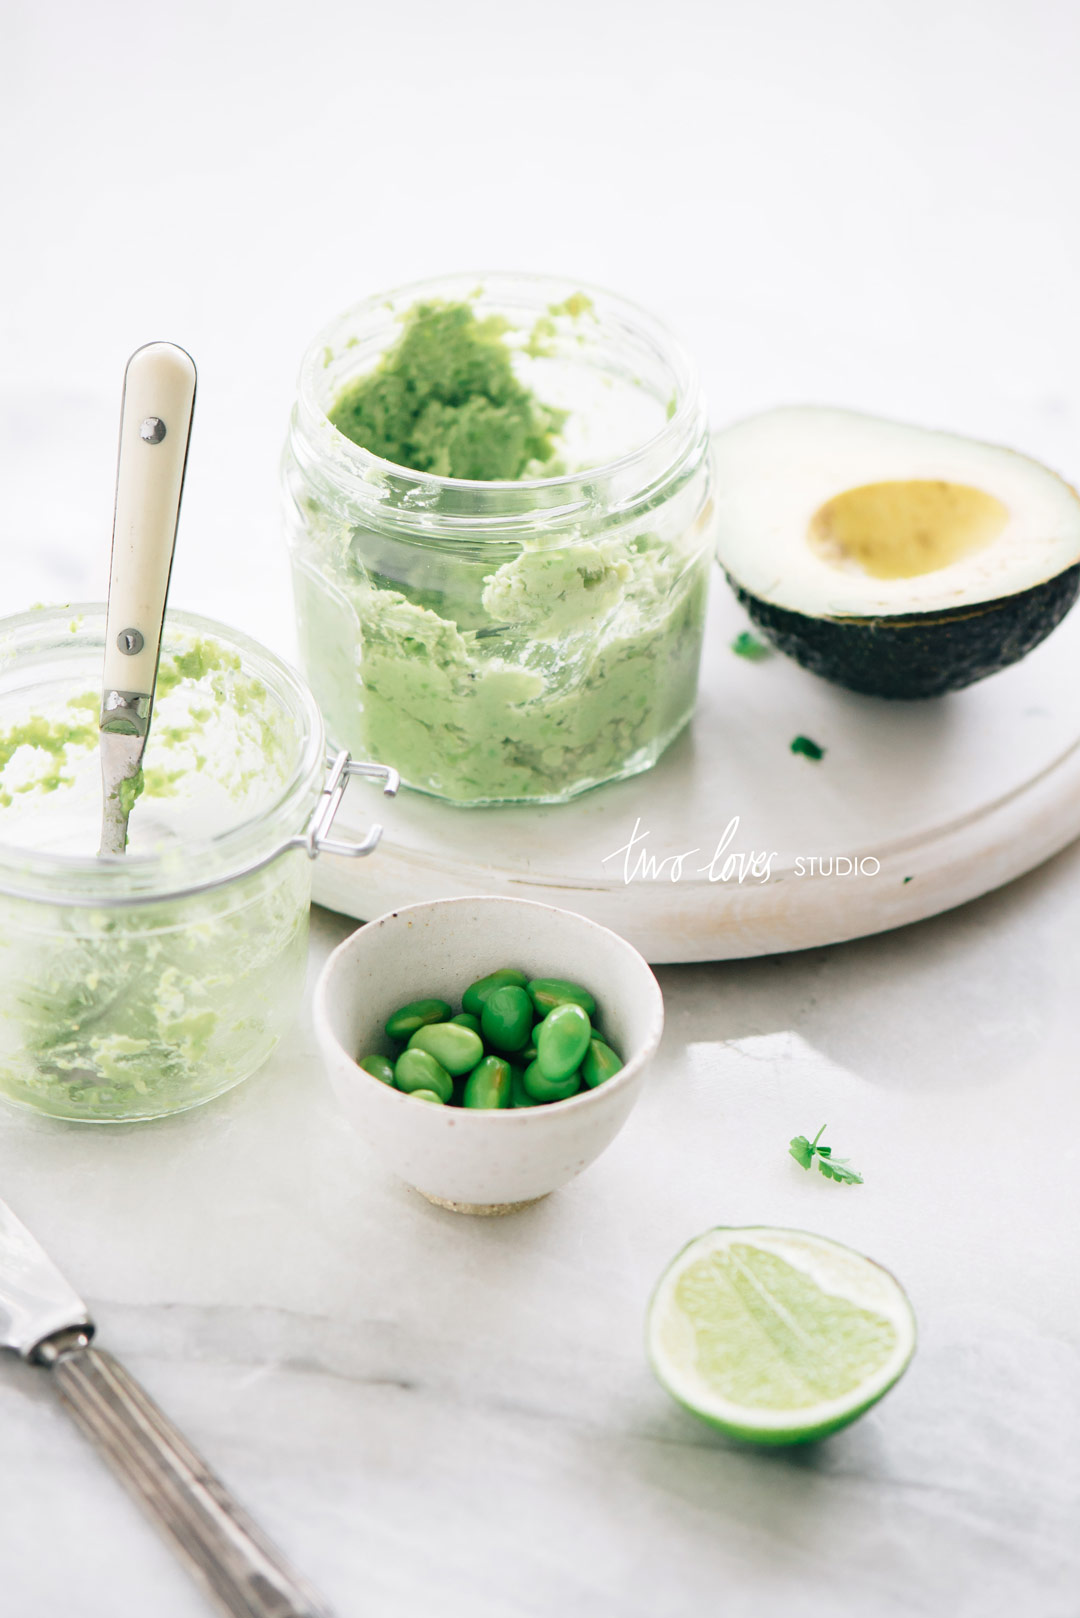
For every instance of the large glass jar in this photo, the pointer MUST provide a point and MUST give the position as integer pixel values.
(138, 986)
(508, 641)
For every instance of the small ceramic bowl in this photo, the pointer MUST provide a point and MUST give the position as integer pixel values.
(482, 1162)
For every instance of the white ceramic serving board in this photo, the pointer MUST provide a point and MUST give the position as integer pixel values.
(949, 798)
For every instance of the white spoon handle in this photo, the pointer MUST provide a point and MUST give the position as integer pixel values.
(155, 425)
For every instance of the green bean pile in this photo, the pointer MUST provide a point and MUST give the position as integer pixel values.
(517, 1042)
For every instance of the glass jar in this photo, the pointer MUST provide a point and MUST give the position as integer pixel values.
(140, 986)
(508, 641)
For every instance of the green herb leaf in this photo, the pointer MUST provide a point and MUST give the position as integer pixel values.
(808, 749)
(806, 1151)
(838, 1168)
(802, 1151)
(748, 646)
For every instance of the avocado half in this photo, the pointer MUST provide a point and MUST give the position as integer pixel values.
(888, 558)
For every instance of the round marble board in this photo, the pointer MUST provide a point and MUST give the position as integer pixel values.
(735, 846)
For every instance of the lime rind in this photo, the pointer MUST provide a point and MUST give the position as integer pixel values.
(777, 1336)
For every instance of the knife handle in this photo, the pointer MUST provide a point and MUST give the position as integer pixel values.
(236, 1565)
(155, 425)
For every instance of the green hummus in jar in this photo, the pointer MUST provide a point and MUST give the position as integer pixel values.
(496, 627)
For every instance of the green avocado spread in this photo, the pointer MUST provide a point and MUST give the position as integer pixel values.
(527, 667)
(444, 399)
(49, 739)
(121, 1012)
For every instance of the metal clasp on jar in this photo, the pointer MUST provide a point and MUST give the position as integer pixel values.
(316, 839)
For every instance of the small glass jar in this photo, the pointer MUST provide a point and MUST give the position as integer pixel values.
(502, 642)
(135, 987)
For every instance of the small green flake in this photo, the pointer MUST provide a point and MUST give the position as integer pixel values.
(748, 646)
(908, 879)
(129, 790)
(808, 749)
(540, 343)
(576, 305)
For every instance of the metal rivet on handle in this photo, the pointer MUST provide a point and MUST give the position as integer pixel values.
(152, 430)
(130, 642)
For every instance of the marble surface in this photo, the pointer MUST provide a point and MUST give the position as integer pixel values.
(453, 1416)
(858, 204)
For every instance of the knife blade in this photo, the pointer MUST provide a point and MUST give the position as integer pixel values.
(43, 1318)
(35, 1299)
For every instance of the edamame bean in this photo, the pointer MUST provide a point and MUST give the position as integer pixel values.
(562, 1040)
(519, 1042)
(541, 1088)
(519, 1096)
(380, 1067)
(507, 1018)
(488, 1085)
(547, 993)
(600, 1063)
(473, 999)
(418, 1070)
(455, 1048)
(407, 1019)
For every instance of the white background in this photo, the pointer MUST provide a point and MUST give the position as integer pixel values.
(861, 203)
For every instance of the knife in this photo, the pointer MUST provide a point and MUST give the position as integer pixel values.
(43, 1319)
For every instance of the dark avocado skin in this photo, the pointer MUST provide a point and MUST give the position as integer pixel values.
(926, 654)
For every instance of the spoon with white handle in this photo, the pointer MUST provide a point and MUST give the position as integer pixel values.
(155, 425)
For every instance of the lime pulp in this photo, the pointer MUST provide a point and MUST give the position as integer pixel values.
(777, 1336)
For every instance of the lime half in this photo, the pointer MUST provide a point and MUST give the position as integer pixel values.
(777, 1336)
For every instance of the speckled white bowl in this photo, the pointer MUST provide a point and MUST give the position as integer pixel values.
(484, 1161)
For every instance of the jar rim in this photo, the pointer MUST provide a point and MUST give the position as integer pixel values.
(680, 431)
(154, 877)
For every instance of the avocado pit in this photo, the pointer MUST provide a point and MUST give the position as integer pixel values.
(905, 529)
